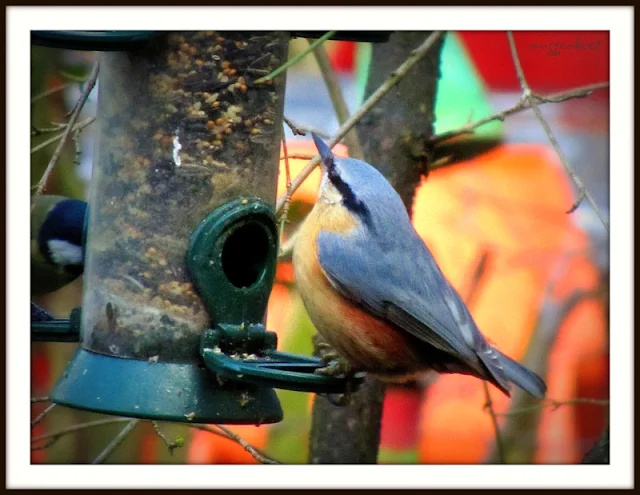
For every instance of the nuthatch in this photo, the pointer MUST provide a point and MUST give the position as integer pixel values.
(375, 293)
(57, 225)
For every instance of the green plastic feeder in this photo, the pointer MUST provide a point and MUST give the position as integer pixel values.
(159, 171)
(182, 240)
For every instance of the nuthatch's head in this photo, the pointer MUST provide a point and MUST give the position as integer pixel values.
(358, 187)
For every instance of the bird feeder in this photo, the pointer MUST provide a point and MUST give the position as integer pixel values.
(182, 243)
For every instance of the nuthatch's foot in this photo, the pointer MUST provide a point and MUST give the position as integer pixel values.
(325, 351)
(336, 367)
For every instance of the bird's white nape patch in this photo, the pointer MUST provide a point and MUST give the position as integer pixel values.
(64, 252)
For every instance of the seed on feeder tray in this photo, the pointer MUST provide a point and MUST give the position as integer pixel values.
(255, 131)
(225, 64)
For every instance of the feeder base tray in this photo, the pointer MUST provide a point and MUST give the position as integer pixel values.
(161, 391)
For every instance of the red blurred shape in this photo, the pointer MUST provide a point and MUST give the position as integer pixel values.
(400, 418)
(342, 55)
(549, 59)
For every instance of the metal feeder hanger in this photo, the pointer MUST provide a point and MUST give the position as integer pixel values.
(231, 259)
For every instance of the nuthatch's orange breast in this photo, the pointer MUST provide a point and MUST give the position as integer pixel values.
(366, 342)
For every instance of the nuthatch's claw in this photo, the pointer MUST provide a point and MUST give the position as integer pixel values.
(325, 351)
(336, 367)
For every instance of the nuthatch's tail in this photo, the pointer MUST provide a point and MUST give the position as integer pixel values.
(522, 377)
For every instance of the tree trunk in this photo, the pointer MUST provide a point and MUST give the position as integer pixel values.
(394, 137)
(599, 453)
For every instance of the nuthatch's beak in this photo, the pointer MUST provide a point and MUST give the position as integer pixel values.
(324, 150)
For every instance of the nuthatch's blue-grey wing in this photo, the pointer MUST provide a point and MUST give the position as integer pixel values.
(398, 280)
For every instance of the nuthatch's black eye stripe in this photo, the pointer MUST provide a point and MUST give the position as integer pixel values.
(349, 199)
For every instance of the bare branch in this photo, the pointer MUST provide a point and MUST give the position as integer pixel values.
(116, 441)
(56, 435)
(527, 96)
(554, 404)
(51, 91)
(295, 59)
(41, 416)
(297, 130)
(339, 105)
(287, 247)
(396, 76)
(34, 400)
(477, 276)
(76, 128)
(297, 156)
(255, 452)
(91, 82)
(287, 199)
(581, 92)
(171, 444)
(494, 421)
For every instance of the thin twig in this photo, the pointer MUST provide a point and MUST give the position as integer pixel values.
(41, 416)
(36, 131)
(580, 92)
(51, 91)
(294, 128)
(494, 422)
(255, 452)
(302, 130)
(339, 105)
(553, 405)
(116, 441)
(287, 202)
(476, 279)
(34, 400)
(527, 96)
(93, 77)
(287, 247)
(396, 76)
(171, 444)
(56, 435)
(295, 59)
(76, 128)
(73, 77)
(298, 156)
(76, 141)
